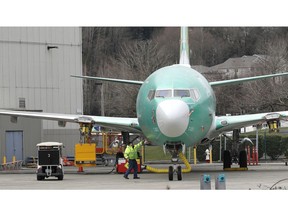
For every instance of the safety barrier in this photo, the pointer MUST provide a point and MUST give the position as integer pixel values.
(254, 155)
(68, 161)
(12, 165)
(31, 162)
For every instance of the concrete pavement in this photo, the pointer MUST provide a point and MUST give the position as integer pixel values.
(260, 177)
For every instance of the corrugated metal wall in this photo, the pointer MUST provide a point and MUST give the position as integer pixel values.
(32, 134)
(35, 68)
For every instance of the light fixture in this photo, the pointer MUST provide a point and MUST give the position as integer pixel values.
(52, 47)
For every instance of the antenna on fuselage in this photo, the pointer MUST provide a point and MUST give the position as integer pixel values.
(184, 47)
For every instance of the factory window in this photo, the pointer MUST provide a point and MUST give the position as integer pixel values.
(22, 103)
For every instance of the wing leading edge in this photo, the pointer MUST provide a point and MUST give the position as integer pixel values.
(246, 79)
(117, 123)
(228, 123)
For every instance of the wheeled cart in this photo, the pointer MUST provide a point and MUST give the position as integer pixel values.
(50, 162)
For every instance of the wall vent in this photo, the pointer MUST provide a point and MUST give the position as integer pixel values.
(22, 104)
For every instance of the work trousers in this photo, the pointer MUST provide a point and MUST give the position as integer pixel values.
(132, 165)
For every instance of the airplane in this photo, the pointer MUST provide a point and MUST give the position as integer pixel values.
(175, 109)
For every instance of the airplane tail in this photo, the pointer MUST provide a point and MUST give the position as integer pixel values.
(184, 47)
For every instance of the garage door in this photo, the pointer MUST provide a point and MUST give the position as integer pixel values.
(14, 145)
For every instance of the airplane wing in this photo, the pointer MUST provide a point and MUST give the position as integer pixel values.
(228, 123)
(246, 79)
(117, 123)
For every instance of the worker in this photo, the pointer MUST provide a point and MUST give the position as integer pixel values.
(131, 155)
(207, 152)
(114, 144)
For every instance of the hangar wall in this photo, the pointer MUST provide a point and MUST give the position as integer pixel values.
(35, 68)
(31, 131)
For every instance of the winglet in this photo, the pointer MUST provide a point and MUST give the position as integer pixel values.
(184, 47)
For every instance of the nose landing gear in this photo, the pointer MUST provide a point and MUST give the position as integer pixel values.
(177, 171)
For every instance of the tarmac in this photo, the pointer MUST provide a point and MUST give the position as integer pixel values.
(264, 176)
(100, 189)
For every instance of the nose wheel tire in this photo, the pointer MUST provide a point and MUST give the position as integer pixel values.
(170, 173)
(179, 173)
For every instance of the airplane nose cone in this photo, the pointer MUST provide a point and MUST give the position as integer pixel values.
(172, 117)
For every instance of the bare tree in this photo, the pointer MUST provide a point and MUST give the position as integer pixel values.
(270, 94)
(136, 61)
(93, 43)
(100, 46)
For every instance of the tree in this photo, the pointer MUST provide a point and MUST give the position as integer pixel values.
(134, 53)
(270, 94)
(136, 61)
(100, 47)
(275, 147)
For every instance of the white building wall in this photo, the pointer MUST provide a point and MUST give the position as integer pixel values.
(29, 70)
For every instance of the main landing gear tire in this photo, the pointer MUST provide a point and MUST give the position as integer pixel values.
(170, 173)
(39, 178)
(226, 159)
(179, 173)
(243, 159)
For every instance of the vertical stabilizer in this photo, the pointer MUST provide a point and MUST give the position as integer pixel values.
(184, 47)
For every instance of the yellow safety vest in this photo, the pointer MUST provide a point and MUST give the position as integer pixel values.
(130, 152)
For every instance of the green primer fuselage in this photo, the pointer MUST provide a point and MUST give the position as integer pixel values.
(201, 111)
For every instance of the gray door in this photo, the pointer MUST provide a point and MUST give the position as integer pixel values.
(14, 145)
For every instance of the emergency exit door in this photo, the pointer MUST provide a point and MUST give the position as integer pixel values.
(14, 145)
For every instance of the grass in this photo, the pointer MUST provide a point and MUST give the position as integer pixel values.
(156, 153)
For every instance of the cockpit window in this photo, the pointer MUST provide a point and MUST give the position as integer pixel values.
(166, 93)
(181, 93)
(194, 94)
(163, 93)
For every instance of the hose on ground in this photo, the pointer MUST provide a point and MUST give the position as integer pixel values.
(182, 157)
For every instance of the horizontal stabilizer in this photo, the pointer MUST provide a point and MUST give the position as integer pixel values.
(246, 79)
(134, 82)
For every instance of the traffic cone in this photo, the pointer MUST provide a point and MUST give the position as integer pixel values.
(80, 169)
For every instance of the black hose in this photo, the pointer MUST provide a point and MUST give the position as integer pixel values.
(271, 188)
